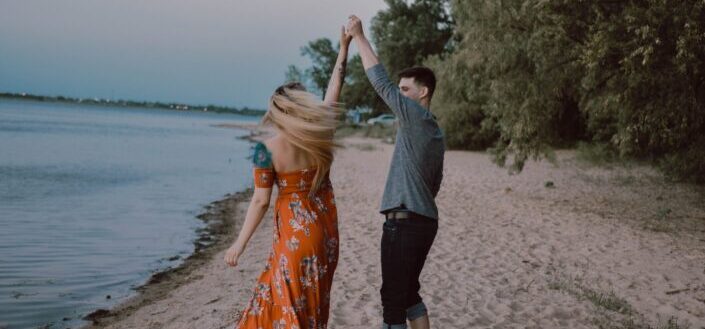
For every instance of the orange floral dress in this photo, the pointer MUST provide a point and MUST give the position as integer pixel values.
(293, 292)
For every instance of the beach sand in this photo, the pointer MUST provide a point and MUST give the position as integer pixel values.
(563, 245)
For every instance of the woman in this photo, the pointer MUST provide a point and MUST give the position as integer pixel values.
(294, 289)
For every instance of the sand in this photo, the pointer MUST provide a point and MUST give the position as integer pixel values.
(564, 245)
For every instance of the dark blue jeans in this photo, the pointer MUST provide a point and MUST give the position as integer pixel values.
(405, 245)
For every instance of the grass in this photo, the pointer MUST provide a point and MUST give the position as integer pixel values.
(378, 131)
(608, 301)
(631, 323)
(372, 131)
(604, 300)
(662, 213)
(626, 180)
(661, 221)
(596, 154)
(347, 130)
(615, 312)
(364, 147)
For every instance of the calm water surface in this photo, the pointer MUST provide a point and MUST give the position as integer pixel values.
(95, 199)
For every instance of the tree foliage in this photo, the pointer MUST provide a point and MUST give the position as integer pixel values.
(521, 77)
(323, 55)
(405, 34)
(629, 74)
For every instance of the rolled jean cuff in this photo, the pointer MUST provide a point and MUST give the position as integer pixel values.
(394, 326)
(416, 311)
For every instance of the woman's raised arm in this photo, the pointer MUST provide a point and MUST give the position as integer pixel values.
(337, 78)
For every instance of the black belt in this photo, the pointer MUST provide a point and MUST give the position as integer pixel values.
(405, 215)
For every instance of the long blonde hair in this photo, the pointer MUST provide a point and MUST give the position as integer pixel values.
(307, 123)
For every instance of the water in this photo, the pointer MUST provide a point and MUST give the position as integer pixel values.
(94, 199)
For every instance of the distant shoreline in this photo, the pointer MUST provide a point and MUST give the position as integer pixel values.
(135, 104)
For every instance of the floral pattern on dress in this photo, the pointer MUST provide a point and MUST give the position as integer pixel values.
(293, 243)
(299, 304)
(284, 269)
(320, 204)
(264, 292)
(293, 291)
(302, 218)
(332, 250)
(311, 272)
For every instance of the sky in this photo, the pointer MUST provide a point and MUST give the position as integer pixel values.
(223, 52)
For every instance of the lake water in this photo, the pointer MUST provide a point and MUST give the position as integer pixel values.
(94, 199)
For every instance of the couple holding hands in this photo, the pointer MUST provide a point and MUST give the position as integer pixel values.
(293, 292)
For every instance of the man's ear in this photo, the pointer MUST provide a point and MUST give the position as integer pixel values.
(424, 92)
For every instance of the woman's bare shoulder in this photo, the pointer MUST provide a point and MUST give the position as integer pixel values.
(274, 143)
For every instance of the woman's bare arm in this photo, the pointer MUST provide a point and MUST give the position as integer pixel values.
(255, 212)
(335, 85)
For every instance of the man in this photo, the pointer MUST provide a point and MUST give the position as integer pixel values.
(412, 184)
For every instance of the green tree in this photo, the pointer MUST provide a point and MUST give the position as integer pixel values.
(628, 75)
(293, 73)
(323, 55)
(357, 92)
(408, 32)
(405, 35)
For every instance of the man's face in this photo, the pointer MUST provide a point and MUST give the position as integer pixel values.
(411, 89)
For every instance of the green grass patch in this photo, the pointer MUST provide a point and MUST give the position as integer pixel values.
(608, 301)
(386, 133)
(614, 312)
(597, 154)
(364, 147)
(631, 323)
(379, 131)
(347, 130)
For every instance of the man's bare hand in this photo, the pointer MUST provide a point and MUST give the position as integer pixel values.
(354, 27)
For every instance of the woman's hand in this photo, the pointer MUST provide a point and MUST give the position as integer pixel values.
(345, 38)
(231, 255)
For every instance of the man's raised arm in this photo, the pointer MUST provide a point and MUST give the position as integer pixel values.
(369, 58)
(385, 88)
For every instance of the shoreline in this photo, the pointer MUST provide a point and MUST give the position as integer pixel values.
(221, 221)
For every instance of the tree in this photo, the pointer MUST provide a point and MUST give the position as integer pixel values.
(294, 73)
(408, 32)
(358, 92)
(628, 75)
(323, 56)
(405, 35)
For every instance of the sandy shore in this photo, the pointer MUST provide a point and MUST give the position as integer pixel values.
(567, 246)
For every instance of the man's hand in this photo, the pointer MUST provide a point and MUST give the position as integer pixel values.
(354, 27)
(345, 38)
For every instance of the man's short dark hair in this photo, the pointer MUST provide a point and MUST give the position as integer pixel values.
(422, 75)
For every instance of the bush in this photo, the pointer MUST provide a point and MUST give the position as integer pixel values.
(528, 75)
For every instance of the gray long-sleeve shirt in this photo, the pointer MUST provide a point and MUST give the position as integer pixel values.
(416, 170)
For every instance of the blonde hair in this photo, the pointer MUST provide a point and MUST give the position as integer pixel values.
(307, 123)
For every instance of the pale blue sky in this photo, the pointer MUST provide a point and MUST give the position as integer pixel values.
(226, 52)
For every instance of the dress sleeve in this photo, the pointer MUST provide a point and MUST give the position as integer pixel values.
(263, 170)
